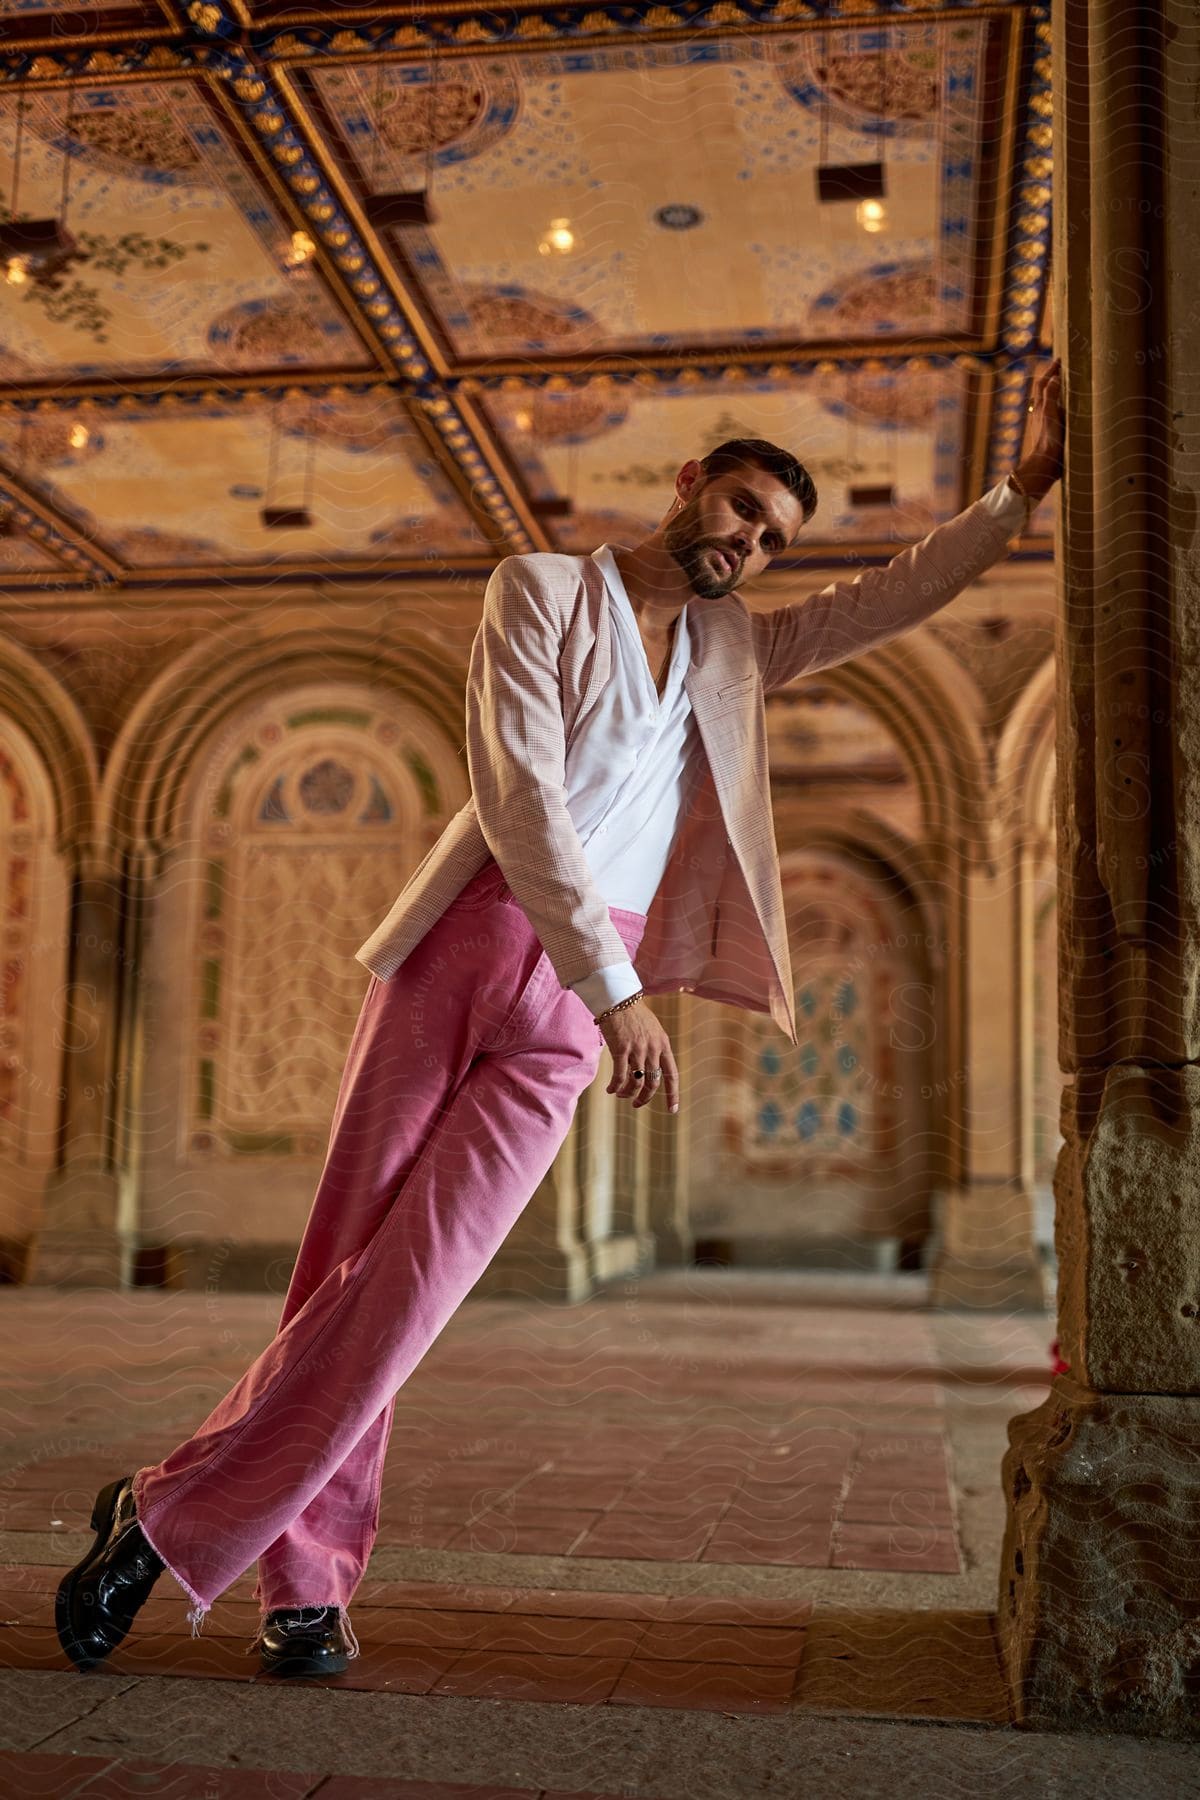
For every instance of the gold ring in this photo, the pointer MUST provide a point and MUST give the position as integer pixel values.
(1030, 407)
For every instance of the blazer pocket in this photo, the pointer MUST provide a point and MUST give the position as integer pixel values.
(745, 684)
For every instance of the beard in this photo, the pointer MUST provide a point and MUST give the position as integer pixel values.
(689, 549)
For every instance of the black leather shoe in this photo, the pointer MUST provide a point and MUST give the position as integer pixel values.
(304, 1640)
(97, 1601)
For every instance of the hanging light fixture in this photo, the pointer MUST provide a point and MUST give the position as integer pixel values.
(842, 181)
(561, 506)
(287, 518)
(38, 249)
(872, 216)
(559, 239)
(404, 206)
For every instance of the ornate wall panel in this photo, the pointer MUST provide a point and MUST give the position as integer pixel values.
(32, 972)
(308, 830)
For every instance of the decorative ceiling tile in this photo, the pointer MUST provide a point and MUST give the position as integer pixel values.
(628, 191)
(161, 486)
(615, 448)
(182, 251)
(665, 194)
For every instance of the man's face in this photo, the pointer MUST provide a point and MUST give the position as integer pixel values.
(730, 527)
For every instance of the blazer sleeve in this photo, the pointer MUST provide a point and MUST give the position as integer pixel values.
(851, 616)
(516, 754)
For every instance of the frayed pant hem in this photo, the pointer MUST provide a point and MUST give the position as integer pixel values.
(199, 1608)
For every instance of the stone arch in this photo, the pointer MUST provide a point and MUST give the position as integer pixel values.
(916, 690)
(142, 794)
(1025, 762)
(281, 811)
(62, 759)
(814, 1138)
(34, 902)
(1027, 772)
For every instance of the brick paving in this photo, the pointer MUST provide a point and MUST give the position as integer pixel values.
(628, 1440)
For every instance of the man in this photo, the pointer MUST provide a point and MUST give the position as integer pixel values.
(617, 842)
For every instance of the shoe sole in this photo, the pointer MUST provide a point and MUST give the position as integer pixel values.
(300, 1665)
(101, 1522)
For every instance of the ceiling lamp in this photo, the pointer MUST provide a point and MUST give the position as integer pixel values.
(78, 436)
(287, 518)
(881, 495)
(37, 249)
(850, 181)
(871, 214)
(403, 206)
(556, 507)
(559, 239)
(411, 208)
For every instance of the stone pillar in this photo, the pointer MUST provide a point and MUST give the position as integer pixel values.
(1099, 1605)
(625, 1247)
(665, 1212)
(603, 1210)
(82, 1239)
(987, 1256)
(545, 1256)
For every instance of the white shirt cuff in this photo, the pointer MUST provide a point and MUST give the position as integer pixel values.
(1006, 505)
(604, 987)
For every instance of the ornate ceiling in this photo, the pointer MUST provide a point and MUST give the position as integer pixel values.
(626, 260)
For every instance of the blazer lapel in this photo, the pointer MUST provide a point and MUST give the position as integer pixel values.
(597, 624)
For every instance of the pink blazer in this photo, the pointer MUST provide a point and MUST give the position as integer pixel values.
(716, 926)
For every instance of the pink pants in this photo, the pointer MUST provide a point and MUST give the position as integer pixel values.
(460, 1085)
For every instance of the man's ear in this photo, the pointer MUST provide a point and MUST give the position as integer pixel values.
(689, 480)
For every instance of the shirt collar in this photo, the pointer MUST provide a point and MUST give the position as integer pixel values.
(606, 562)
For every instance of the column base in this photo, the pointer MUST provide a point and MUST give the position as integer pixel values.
(674, 1248)
(71, 1259)
(625, 1253)
(538, 1274)
(985, 1255)
(1000, 1287)
(79, 1245)
(1099, 1612)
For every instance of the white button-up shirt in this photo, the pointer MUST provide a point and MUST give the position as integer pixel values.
(627, 773)
(633, 758)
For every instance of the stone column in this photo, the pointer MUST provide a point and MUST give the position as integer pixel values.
(986, 1255)
(665, 1209)
(626, 1246)
(82, 1239)
(545, 1255)
(1099, 1605)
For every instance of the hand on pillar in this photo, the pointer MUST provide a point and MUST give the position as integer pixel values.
(1042, 466)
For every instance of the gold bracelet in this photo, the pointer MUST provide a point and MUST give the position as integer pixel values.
(609, 1010)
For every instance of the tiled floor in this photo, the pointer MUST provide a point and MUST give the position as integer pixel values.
(623, 1505)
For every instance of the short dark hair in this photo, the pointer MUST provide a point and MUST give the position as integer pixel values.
(732, 456)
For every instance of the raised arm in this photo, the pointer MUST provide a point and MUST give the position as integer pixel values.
(516, 754)
(849, 617)
(856, 614)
